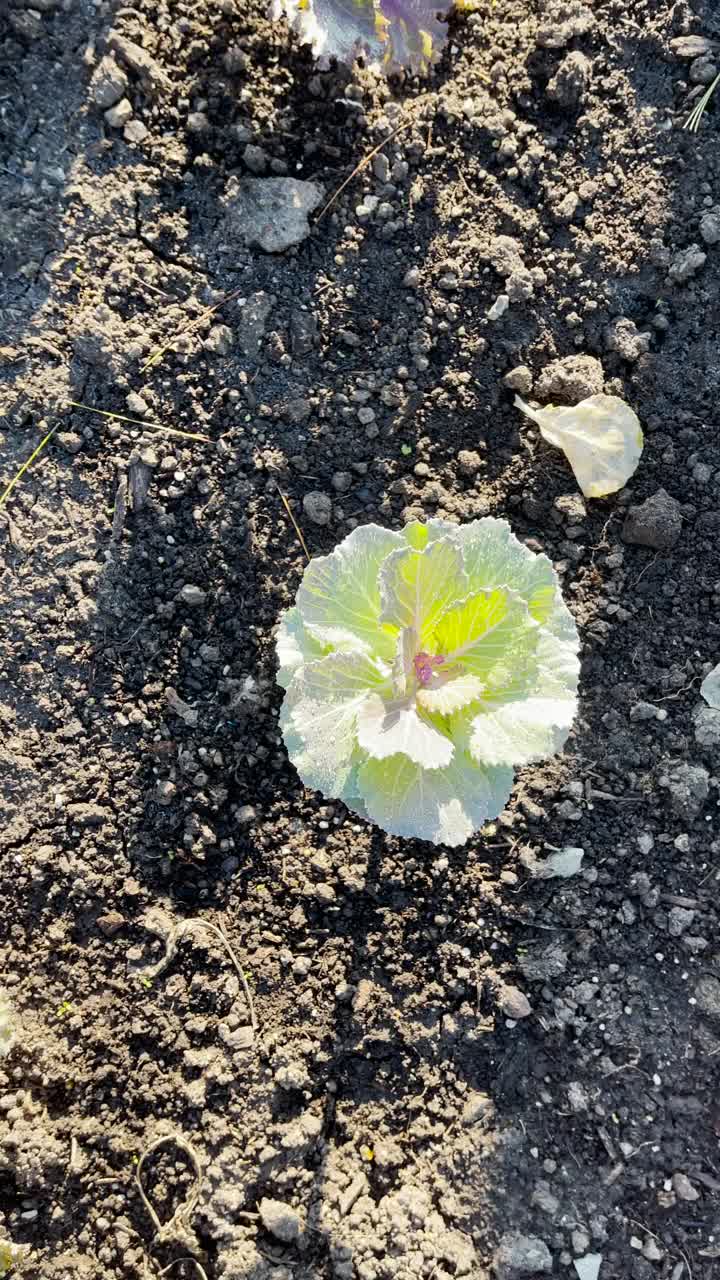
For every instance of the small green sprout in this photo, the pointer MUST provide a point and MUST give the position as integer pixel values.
(65, 1010)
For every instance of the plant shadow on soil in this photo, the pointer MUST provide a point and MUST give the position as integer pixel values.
(390, 1046)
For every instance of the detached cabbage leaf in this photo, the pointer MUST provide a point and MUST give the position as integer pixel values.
(710, 688)
(391, 33)
(601, 438)
(420, 667)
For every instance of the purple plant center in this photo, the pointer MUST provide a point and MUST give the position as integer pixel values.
(424, 663)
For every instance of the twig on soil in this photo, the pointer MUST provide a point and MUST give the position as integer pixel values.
(295, 524)
(140, 422)
(157, 356)
(363, 164)
(669, 697)
(19, 474)
(171, 941)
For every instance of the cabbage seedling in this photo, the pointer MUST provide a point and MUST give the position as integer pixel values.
(420, 667)
(390, 33)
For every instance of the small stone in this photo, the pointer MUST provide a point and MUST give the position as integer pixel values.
(256, 159)
(381, 167)
(707, 995)
(197, 122)
(570, 379)
(623, 337)
(366, 415)
(181, 709)
(219, 340)
(569, 84)
(135, 131)
(165, 792)
(645, 711)
(686, 264)
(318, 507)
(706, 722)
(499, 307)
(519, 379)
(119, 115)
(478, 1106)
(519, 1255)
(683, 1187)
(703, 71)
(303, 332)
(271, 212)
(280, 1220)
(324, 893)
(652, 1250)
(543, 963)
(342, 481)
(192, 596)
(577, 1097)
(411, 279)
(513, 1003)
(710, 226)
(246, 814)
(543, 1198)
(692, 46)
(110, 923)
(70, 441)
(656, 523)
(679, 919)
(109, 83)
(688, 785)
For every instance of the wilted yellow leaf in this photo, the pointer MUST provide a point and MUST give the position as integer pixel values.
(601, 438)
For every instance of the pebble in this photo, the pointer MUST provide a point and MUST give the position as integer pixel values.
(543, 1198)
(119, 115)
(656, 523)
(519, 379)
(181, 709)
(165, 792)
(110, 923)
(246, 814)
(271, 212)
(318, 507)
(688, 785)
(623, 337)
(411, 279)
(478, 1106)
(692, 46)
(254, 314)
(70, 441)
(469, 463)
(703, 71)
(686, 264)
(197, 122)
(513, 1003)
(342, 481)
(679, 919)
(280, 1220)
(135, 131)
(683, 1187)
(706, 724)
(499, 307)
(192, 596)
(710, 226)
(219, 340)
(519, 1255)
(109, 83)
(707, 995)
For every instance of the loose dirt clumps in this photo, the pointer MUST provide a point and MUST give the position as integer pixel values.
(461, 1065)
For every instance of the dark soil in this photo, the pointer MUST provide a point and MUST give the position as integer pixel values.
(406, 1123)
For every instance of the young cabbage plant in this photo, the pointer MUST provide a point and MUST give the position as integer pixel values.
(420, 667)
(389, 33)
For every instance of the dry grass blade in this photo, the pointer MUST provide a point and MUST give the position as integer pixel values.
(19, 474)
(693, 121)
(182, 1213)
(295, 524)
(363, 164)
(157, 356)
(139, 422)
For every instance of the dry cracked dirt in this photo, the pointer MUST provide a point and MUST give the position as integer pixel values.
(458, 1064)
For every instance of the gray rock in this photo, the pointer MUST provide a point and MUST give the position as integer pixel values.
(478, 1106)
(519, 379)
(571, 80)
(254, 316)
(656, 523)
(683, 1187)
(710, 226)
(519, 1255)
(707, 995)
(303, 332)
(688, 787)
(342, 481)
(691, 47)
(272, 212)
(119, 115)
(280, 1220)
(686, 264)
(197, 122)
(191, 595)
(256, 159)
(318, 507)
(513, 1003)
(109, 83)
(623, 336)
(570, 379)
(543, 1198)
(70, 441)
(707, 727)
(703, 71)
(679, 919)
(141, 62)
(219, 340)
(543, 963)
